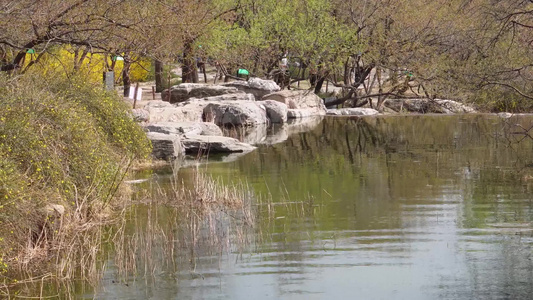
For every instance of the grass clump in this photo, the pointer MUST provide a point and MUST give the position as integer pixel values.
(65, 147)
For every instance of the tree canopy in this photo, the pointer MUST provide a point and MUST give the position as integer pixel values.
(476, 50)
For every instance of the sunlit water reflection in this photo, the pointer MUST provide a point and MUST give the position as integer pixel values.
(414, 207)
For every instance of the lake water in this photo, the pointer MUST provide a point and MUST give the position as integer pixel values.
(403, 207)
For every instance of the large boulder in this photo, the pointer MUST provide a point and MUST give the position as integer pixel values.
(165, 146)
(255, 86)
(190, 110)
(243, 113)
(185, 91)
(276, 111)
(180, 128)
(160, 111)
(213, 144)
(307, 102)
(359, 111)
(428, 106)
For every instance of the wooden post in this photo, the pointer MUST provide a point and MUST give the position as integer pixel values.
(135, 94)
(153, 92)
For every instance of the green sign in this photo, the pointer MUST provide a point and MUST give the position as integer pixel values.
(243, 72)
(30, 51)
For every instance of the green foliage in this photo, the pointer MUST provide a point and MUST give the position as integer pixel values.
(266, 31)
(62, 141)
(498, 99)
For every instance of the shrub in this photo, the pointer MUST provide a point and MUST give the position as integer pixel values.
(62, 141)
(499, 99)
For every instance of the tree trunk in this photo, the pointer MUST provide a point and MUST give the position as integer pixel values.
(126, 75)
(347, 72)
(158, 76)
(319, 84)
(189, 69)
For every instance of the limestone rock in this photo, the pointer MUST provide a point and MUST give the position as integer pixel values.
(165, 146)
(160, 111)
(227, 97)
(211, 129)
(299, 100)
(428, 106)
(455, 107)
(213, 144)
(255, 86)
(505, 115)
(243, 113)
(353, 112)
(276, 111)
(140, 115)
(180, 128)
(301, 113)
(184, 91)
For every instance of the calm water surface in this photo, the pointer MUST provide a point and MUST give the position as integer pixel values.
(408, 207)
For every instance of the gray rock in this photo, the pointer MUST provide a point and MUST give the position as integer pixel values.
(255, 86)
(140, 115)
(160, 111)
(165, 146)
(301, 113)
(184, 91)
(157, 104)
(455, 107)
(190, 110)
(505, 115)
(211, 129)
(353, 112)
(213, 144)
(276, 111)
(299, 100)
(227, 97)
(243, 113)
(428, 106)
(180, 128)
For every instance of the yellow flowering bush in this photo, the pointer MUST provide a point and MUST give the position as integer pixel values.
(63, 141)
(62, 59)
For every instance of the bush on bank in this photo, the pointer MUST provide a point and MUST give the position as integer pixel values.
(62, 142)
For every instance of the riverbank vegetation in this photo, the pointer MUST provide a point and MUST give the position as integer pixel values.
(65, 147)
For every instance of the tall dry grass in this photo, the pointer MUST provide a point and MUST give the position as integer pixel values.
(182, 221)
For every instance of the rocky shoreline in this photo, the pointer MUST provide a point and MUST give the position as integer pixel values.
(233, 117)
